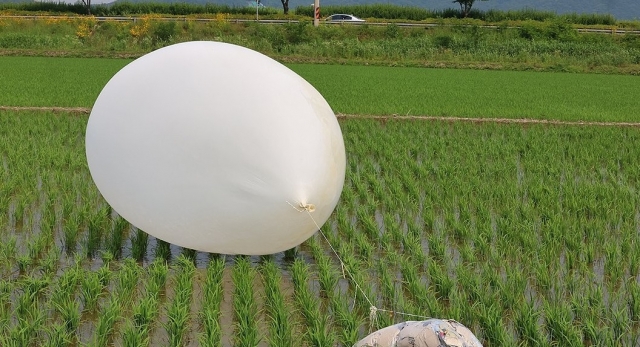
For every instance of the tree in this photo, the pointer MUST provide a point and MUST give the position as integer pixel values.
(87, 4)
(285, 6)
(465, 6)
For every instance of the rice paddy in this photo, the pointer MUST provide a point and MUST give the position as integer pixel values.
(76, 82)
(527, 234)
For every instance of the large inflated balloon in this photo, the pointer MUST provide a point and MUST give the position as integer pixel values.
(428, 333)
(208, 145)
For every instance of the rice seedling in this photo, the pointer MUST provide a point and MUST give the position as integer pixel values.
(139, 242)
(244, 305)
(94, 232)
(69, 310)
(119, 228)
(179, 310)
(25, 331)
(163, 250)
(318, 333)
(133, 336)
(56, 336)
(526, 324)
(212, 297)
(348, 322)
(559, 325)
(281, 332)
(137, 329)
(91, 287)
(107, 319)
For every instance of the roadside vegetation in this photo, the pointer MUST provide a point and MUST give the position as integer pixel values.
(552, 44)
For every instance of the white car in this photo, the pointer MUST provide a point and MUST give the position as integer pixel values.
(344, 18)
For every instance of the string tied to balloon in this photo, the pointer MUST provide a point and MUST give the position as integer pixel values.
(373, 310)
(373, 318)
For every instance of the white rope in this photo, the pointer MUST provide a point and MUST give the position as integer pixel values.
(373, 310)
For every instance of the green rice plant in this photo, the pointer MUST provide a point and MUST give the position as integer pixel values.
(244, 305)
(24, 262)
(163, 250)
(417, 290)
(158, 271)
(106, 323)
(347, 321)
(190, 254)
(137, 330)
(440, 279)
(527, 327)
(133, 336)
(178, 311)
(634, 301)
(71, 230)
(212, 297)
(6, 288)
(280, 325)
(412, 246)
(319, 333)
(7, 255)
(620, 325)
(91, 287)
(104, 275)
(328, 275)
(28, 313)
(94, 232)
(139, 242)
(559, 325)
(63, 291)
(24, 333)
(119, 228)
(127, 278)
(493, 328)
(144, 314)
(388, 284)
(57, 335)
(69, 310)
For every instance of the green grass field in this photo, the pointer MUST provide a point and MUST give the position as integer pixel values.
(41, 81)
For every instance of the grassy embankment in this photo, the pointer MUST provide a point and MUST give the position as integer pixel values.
(552, 45)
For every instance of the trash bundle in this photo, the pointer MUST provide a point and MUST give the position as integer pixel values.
(427, 333)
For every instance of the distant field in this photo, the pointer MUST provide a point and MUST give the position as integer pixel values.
(41, 81)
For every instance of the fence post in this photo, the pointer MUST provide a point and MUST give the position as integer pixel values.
(316, 13)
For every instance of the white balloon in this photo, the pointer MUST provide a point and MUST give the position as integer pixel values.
(207, 145)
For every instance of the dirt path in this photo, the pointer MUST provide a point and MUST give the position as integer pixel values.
(85, 110)
(492, 120)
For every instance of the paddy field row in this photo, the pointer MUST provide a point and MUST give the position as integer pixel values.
(528, 234)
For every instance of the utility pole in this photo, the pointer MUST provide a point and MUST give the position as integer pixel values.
(316, 13)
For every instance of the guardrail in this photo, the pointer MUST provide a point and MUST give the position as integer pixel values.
(613, 31)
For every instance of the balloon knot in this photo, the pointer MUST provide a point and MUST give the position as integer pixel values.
(308, 207)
